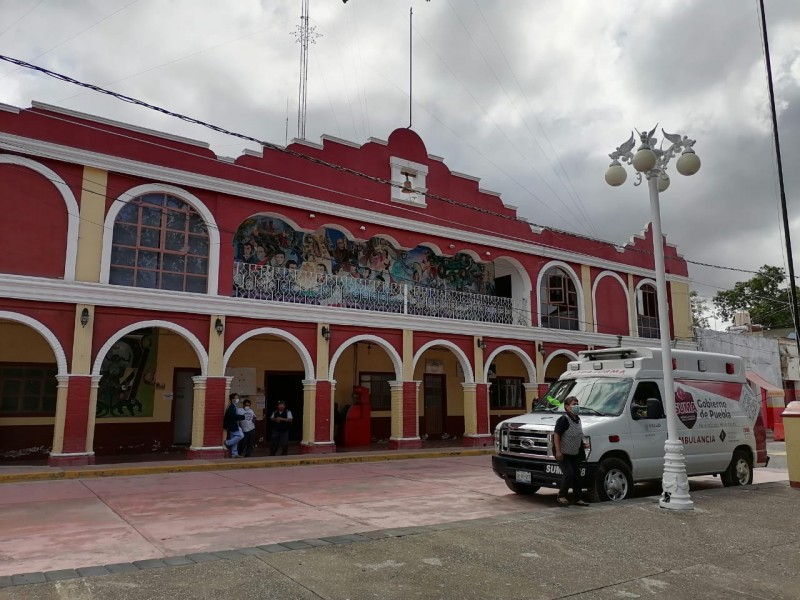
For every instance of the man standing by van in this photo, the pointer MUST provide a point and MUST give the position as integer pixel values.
(569, 451)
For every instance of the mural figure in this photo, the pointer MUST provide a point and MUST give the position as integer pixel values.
(325, 267)
(127, 378)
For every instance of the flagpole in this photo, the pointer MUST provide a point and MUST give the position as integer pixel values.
(784, 212)
(410, 63)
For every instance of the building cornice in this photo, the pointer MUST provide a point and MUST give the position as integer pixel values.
(38, 289)
(106, 162)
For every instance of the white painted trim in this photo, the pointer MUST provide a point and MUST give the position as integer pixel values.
(644, 282)
(550, 358)
(202, 355)
(49, 336)
(594, 295)
(189, 198)
(295, 342)
(524, 295)
(523, 356)
(225, 186)
(397, 362)
(47, 291)
(469, 377)
(73, 212)
(121, 124)
(578, 288)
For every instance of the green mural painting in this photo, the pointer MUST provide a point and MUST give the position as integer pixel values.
(262, 240)
(127, 376)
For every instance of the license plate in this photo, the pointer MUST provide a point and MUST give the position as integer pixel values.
(523, 477)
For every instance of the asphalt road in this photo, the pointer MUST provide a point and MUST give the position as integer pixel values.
(198, 535)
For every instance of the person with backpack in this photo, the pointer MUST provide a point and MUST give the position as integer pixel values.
(230, 422)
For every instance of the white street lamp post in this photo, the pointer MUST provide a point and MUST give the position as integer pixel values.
(652, 162)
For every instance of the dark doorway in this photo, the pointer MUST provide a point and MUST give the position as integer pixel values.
(286, 386)
(435, 394)
(502, 286)
(183, 405)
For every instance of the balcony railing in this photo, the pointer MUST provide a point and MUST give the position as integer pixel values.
(321, 289)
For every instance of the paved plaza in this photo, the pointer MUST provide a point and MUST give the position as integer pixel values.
(422, 528)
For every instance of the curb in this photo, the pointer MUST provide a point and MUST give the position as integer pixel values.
(192, 466)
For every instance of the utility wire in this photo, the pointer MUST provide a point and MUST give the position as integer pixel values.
(340, 168)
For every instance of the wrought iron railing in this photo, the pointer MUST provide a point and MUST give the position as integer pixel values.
(321, 289)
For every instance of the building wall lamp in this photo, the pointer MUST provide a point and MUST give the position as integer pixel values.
(540, 349)
(84, 317)
(218, 326)
(326, 333)
(481, 344)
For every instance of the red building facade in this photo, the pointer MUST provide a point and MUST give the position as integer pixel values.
(143, 278)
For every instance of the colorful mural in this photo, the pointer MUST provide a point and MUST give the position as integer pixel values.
(127, 376)
(262, 240)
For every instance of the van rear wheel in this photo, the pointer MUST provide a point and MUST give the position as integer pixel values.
(740, 471)
(613, 481)
(523, 489)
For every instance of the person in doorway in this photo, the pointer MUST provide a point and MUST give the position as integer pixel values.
(570, 452)
(281, 420)
(230, 422)
(248, 425)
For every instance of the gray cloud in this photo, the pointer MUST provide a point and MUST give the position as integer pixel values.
(511, 92)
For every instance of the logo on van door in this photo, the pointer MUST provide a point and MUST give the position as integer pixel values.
(684, 406)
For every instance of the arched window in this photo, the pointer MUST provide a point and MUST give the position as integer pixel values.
(647, 312)
(559, 300)
(160, 242)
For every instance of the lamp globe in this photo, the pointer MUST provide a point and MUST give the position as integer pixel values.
(616, 174)
(663, 182)
(688, 163)
(644, 160)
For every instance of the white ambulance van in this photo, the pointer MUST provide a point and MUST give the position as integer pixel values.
(621, 395)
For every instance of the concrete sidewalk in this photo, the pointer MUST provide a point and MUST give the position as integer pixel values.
(10, 473)
(737, 543)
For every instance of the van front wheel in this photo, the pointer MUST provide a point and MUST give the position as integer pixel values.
(740, 471)
(613, 481)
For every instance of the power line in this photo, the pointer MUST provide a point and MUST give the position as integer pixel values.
(341, 168)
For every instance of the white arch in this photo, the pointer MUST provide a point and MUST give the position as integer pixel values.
(397, 362)
(578, 289)
(550, 358)
(639, 286)
(55, 345)
(202, 355)
(471, 253)
(308, 364)
(437, 250)
(336, 227)
(644, 282)
(526, 360)
(521, 271)
(613, 275)
(163, 188)
(290, 222)
(469, 377)
(73, 212)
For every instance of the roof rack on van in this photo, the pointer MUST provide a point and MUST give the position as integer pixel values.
(608, 353)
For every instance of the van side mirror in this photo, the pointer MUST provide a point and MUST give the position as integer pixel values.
(654, 408)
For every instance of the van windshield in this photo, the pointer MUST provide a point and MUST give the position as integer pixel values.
(596, 395)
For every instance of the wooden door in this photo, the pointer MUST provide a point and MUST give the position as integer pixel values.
(435, 396)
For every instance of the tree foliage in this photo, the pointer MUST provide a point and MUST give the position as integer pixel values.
(762, 296)
(699, 310)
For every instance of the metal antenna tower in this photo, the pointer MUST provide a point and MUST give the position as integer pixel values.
(305, 35)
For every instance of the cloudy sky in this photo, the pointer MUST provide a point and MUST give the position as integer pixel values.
(528, 95)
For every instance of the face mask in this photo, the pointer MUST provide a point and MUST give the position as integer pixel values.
(575, 409)
(236, 401)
